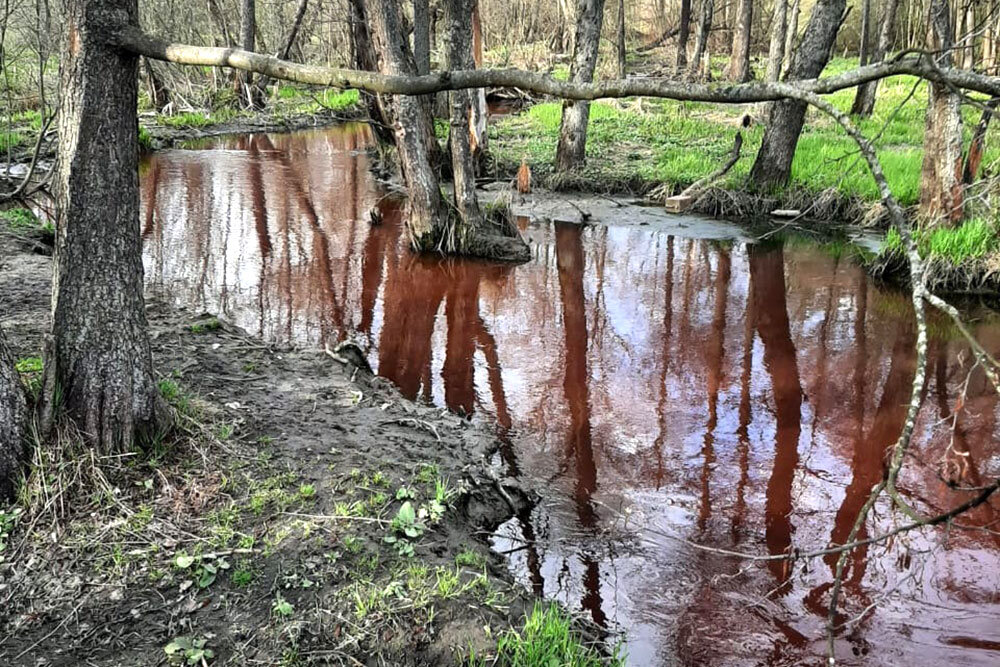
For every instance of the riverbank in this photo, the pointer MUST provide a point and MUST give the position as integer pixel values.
(302, 511)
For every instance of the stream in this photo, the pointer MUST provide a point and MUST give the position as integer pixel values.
(665, 382)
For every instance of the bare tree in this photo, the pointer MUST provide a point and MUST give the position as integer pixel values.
(622, 65)
(941, 188)
(739, 61)
(773, 165)
(701, 41)
(13, 422)
(571, 151)
(98, 368)
(864, 100)
(776, 49)
(683, 32)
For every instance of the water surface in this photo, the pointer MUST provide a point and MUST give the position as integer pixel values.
(735, 395)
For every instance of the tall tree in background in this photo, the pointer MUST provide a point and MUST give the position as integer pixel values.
(773, 165)
(13, 421)
(571, 151)
(941, 188)
(739, 61)
(683, 33)
(776, 48)
(864, 50)
(98, 367)
(700, 60)
(864, 99)
(622, 65)
(248, 30)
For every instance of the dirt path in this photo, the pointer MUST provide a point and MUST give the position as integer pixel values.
(259, 531)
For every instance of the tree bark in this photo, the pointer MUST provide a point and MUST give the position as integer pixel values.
(793, 31)
(158, 93)
(773, 165)
(776, 49)
(864, 100)
(571, 150)
(422, 36)
(243, 81)
(864, 53)
(701, 41)
(739, 61)
(286, 49)
(13, 423)
(98, 367)
(683, 33)
(622, 64)
(941, 189)
(977, 146)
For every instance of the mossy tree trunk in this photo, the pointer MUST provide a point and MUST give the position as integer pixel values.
(98, 367)
(773, 165)
(13, 423)
(941, 187)
(571, 151)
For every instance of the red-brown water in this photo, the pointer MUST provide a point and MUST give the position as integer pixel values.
(737, 396)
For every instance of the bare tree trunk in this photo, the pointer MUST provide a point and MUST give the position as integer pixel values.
(739, 61)
(622, 65)
(98, 367)
(969, 36)
(480, 112)
(701, 41)
(409, 121)
(422, 36)
(363, 58)
(974, 157)
(683, 32)
(793, 31)
(773, 165)
(286, 49)
(572, 147)
(864, 101)
(220, 22)
(941, 189)
(13, 423)
(243, 81)
(776, 49)
(158, 93)
(864, 51)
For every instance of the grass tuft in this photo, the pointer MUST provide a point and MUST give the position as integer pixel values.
(547, 639)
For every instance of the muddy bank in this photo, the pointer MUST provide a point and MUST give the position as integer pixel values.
(261, 529)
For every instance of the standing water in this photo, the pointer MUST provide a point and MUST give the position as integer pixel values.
(665, 392)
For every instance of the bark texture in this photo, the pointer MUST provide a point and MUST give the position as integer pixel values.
(941, 188)
(776, 48)
(422, 36)
(739, 61)
(864, 100)
(13, 421)
(773, 165)
(622, 64)
(98, 367)
(243, 81)
(701, 41)
(683, 33)
(571, 150)
(864, 51)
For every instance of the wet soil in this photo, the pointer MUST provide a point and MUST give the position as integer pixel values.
(83, 592)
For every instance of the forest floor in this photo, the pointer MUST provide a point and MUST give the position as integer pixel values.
(301, 512)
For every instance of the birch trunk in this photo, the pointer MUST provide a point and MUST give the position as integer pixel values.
(571, 151)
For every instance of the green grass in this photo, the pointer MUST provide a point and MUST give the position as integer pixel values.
(665, 141)
(547, 640)
(970, 241)
(19, 218)
(10, 140)
(198, 118)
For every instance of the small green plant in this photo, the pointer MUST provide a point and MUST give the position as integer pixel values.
(307, 492)
(212, 324)
(8, 520)
(547, 639)
(204, 569)
(189, 651)
(282, 608)
(469, 558)
(19, 218)
(403, 493)
(241, 577)
(405, 522)
(169, 389)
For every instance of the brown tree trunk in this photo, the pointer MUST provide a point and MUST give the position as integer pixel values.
(941, 189)
(683, 32)
(773, 165)
(622, 64)
(701, 41)
(286, 49)
(974, 157)
(220, 22)
(158, 93)
(363, 58)
(479, 110)
(13, 423)
(98, 368)
(739, 61)
(776, 49)
(571, 151)
(864, 101)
